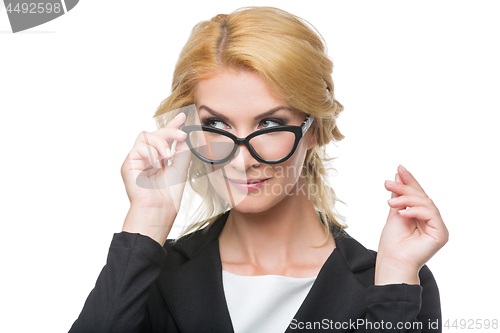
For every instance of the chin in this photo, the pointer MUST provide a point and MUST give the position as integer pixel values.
(256, 205)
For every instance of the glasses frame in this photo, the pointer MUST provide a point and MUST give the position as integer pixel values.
(299, 132)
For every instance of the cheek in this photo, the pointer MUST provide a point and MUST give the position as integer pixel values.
(296, 162)
(216, 178)
(223, 189)
(289, 171)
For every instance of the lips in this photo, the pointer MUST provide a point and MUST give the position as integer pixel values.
(247, 181)
(248, 185)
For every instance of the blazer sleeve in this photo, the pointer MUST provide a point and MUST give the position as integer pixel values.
(118, 301)
(404, 307)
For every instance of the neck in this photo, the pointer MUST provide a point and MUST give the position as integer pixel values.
(287, 239)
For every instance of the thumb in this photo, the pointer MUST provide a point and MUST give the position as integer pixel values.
(180, 162)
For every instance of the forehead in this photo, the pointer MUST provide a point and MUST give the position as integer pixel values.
(241, 92)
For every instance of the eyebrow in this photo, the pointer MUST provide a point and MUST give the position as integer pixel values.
(262, 115)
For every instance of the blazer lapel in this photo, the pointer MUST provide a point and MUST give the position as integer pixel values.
(195, 294)
(194, 290)
(337, 297)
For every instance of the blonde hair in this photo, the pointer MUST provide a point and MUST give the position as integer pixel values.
(291, 56)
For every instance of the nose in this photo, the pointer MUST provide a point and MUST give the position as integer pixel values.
(242, 159)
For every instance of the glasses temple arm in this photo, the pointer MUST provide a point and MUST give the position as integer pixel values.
(307, 124)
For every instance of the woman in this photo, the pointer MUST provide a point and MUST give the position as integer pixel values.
(252, 99)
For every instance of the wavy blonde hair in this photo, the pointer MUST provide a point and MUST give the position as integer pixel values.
(290, 55)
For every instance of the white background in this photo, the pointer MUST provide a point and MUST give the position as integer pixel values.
(419, 82)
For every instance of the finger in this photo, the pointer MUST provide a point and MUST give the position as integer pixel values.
(160, 144)
(178, 136)
(180, 163)
(175, 123)
(418, 212)
(398, 188)
(430, 222)
(182, 154)
(408, 179)
(155, 145)
(143, 156)
(430, 214)
(402, 189)
(173, 132)
(393, 211)
(164, 144)
(404, 201)
(398, 179)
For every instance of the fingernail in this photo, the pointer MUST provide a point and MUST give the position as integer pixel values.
(403, 168)
(168, 152)
(390, 182)
(158, 165)
(181, 132)
(391, 200)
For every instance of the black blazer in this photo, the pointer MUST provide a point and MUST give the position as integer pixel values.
(178, 288)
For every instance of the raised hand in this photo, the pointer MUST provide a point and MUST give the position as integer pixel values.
(410, 237)
(155, 188)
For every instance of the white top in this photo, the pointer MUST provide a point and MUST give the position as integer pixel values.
(264, 303)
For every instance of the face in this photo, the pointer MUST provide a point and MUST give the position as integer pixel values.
(241, 103)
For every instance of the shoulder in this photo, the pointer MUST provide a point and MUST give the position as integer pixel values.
(189, 245)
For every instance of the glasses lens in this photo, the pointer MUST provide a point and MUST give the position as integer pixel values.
(273, 146)
(211, 145)
(269, 146)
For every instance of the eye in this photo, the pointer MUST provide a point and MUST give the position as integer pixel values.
(219, 124)
(266, 123)
(213, 122)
